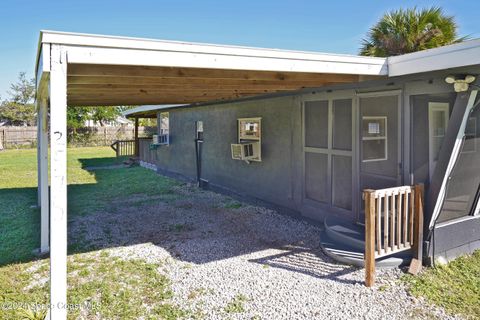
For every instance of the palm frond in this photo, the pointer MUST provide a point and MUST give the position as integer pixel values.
(408, 30)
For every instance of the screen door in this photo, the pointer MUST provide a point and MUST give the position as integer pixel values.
(328, 166)
(380, 141)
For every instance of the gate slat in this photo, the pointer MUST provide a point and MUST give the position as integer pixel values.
(411, 213)
(378, 219)
(399, 219)
(385, 224)
(392, 222)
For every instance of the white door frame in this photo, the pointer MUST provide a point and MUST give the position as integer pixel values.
(435, 107)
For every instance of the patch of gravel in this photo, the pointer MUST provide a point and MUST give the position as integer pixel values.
(269, 264)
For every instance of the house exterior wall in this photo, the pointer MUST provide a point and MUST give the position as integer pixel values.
(280, 177)
(452, 240)
(275, 179)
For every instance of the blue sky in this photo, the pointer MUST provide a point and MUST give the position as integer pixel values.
(333, 26)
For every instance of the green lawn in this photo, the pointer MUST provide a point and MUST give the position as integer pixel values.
(455, 286)
(121, 289)
(87, 192)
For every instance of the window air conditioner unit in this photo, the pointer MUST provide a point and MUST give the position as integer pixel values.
(245, 151)
(163, 139)
(158, 139)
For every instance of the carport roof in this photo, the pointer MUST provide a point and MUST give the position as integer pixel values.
(149, 111)
(109, 70)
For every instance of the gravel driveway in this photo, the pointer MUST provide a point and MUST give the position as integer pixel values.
(228, 260)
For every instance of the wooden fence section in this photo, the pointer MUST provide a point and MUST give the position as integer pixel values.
(25, 137)
(17, 137)
(393, 223)
(2, 140)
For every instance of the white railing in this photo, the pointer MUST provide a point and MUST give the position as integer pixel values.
(124, 147)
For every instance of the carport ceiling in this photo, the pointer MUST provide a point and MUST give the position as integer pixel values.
(107, 70)
(125, 85)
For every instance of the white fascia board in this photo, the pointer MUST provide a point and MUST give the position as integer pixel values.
(42, 70)
(43, 60)
(135, 57)
(132, 51)
(447, 57)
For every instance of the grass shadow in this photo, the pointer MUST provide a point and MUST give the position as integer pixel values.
(20, 216)
(20, 225)
(101, 162)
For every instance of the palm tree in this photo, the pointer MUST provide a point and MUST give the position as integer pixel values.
(403, 31)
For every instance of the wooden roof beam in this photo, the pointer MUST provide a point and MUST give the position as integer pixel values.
(86, 70)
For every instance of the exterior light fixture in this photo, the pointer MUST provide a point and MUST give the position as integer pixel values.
(459, 84)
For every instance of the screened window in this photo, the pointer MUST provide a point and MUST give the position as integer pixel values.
(316, 124)
(342, 182)
(342, 124)
(328, 152)
(463, 186)
(374, 138)
(470, 135)
(316, 179)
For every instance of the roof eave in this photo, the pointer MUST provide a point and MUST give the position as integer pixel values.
(448, 57)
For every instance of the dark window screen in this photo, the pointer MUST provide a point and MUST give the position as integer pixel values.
(463, 186)
(316, 176)
(342, 182)
(342, 124)
(316, 124)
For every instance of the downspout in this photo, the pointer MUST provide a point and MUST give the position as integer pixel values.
(198, 150)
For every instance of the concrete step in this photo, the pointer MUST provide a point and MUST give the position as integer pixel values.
(344, 241)
(345, 231)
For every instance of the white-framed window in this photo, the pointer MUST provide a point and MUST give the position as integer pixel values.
(249, 129)
(163, 128)
(374, 139)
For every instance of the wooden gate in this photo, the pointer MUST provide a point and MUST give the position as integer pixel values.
(393, 223)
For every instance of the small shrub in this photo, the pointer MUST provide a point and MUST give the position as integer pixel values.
(237, 304)
(455, 286)
(233, 205)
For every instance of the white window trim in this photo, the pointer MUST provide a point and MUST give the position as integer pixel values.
(384, 137)
(258, 139)
(243, 120)
(163, 133)
(476, 212)
(435, 107)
